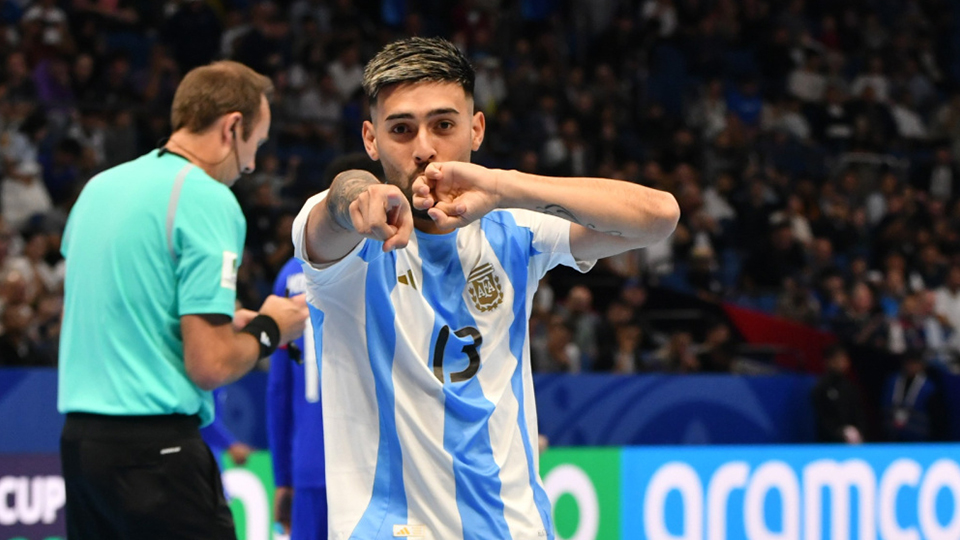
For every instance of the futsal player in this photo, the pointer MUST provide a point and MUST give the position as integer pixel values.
(295, 427)
(420, 291)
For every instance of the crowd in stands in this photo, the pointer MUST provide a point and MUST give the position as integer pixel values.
(813, 145)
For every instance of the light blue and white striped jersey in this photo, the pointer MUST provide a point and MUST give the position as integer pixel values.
(430, 423)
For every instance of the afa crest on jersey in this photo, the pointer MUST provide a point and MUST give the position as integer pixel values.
(484, 287)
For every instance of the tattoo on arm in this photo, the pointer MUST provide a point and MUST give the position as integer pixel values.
(560, 211)
(347, 186)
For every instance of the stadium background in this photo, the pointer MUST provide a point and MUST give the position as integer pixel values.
(813, 147)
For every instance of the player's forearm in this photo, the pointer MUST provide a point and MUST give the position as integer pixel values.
(330, 234)
(614, 207)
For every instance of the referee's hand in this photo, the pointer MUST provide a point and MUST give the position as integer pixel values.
(290, 313)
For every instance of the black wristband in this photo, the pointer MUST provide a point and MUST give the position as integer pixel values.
(267, 333)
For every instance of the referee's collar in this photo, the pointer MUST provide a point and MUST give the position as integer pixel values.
(162, 149)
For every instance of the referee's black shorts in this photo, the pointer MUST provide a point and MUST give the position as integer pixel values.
(141, 478)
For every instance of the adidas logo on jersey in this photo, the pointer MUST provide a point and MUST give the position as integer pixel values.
(407, 279)
(409, 531)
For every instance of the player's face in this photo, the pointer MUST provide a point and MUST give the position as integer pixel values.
(416, 124)
(247, 149)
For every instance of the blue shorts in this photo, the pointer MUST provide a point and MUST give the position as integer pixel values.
(309, 514)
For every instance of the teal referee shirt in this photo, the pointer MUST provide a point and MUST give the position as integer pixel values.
(147, 242)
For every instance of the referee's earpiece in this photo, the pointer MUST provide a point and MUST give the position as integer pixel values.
(236, 151)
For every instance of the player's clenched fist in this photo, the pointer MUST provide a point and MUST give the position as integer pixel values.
(456, 193)
(381, 212)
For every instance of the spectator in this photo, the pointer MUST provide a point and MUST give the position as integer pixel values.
(45, 30)
(947, 304)
(718, 352)
(931, 267)
(54, 88)
(557, 353)
(41, 265)
(946, 123)
(236, 27)
(709, 114)
(47, 326)
(23, 195)
(661, 15)
(115, 91)
(623, 341)
(746, 103)
(941, 179)
(875, 78)
(907, 330)
(913, 406)
(89, 129)
(833, 120)
(797, 303)
(22, 143)
(16, 346)
(491, 88)
(937, 331)
(119, 139)
(910, 125)
(876, 202)
(678, 355)
(578, 313)
(61, 173)
(346, 71)
(617, 314)
(785, 117)
(781, 257)
(567, 154)
(862, 323)
(837, 403)
(806, 82)
(19, 85)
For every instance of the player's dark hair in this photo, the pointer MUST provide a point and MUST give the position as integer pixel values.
(415, 60)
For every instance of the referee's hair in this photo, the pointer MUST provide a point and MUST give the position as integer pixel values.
(414, 60)
(208, 92)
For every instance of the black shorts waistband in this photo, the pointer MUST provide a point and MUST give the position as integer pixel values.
(108, 427)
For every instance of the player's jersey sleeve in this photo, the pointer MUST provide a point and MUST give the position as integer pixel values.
(550, 245)
(321, 274)
(207, 238)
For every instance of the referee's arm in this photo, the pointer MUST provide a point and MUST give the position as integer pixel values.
(216, 354)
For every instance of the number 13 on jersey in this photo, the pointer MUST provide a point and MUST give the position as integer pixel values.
(464, 348)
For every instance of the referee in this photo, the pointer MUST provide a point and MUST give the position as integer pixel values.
(150, 327)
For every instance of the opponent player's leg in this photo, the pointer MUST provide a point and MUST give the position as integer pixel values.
(309, 514)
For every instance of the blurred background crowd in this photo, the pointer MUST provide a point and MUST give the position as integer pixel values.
(813, 145)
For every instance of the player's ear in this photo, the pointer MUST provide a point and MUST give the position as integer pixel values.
(370, 140)
(478, 126)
